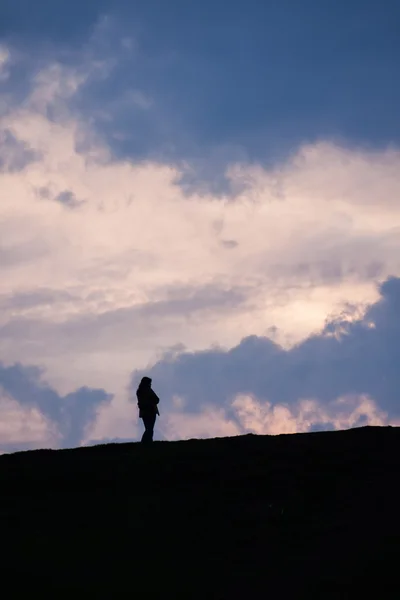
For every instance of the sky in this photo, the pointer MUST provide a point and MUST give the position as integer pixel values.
(205, 193)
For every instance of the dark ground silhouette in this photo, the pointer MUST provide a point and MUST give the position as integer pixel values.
(193, 519)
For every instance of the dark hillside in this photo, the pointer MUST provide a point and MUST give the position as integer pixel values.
(293, 516)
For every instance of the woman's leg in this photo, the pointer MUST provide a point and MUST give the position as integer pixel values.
(148, 423)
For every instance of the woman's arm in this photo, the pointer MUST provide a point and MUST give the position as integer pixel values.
(156, 399)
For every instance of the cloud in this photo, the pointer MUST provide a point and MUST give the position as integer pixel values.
(106, 261)
(215, 88)
(307, 415)
(135, 246)
(216, 95)
(34, 414)
(176, 90)
(14, 154)
(23, 427)
(350, 358)
(4, 60)
(209, 423)
(68, 199)
(246, 414)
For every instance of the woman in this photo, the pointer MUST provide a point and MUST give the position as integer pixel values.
(148, 409)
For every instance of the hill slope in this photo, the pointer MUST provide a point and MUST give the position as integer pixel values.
(300, 516)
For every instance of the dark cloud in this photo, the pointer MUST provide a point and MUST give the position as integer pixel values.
(14, 154)
(34, 299)
(71, 414)
(236, 85)
(347, 357)
(251, 83)
(68, 199)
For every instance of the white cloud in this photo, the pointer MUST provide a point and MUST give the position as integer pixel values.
(4, 63)
(23, 425)
(344, 413)
(118, 419)
(263, 418)
(210, 423)
(54, 85)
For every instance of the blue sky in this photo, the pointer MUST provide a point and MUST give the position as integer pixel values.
(186, 176)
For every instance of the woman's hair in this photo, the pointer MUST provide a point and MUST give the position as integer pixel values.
(145, 382)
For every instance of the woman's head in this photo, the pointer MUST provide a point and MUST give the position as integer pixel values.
(145, 382)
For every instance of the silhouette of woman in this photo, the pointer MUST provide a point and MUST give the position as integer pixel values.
(148, 409)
